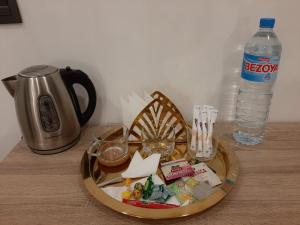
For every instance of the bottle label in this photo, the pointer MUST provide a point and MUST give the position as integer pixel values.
(260, 68)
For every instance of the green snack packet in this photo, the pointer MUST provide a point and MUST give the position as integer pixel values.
(148, 188)
(199, 190)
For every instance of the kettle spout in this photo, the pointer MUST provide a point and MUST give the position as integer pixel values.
(10, 83)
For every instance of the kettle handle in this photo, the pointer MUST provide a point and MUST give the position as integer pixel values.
(71, 77)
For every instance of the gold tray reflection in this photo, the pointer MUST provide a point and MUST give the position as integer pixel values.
(225, 164)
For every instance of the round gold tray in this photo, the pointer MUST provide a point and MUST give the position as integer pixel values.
(225, 164)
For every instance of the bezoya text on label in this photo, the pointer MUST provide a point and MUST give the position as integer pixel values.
(260, 68)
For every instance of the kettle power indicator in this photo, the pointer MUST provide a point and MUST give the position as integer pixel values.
(48, 115)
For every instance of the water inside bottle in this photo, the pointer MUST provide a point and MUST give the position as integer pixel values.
(254, 97)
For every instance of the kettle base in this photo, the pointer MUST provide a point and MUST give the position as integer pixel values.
(56, 150)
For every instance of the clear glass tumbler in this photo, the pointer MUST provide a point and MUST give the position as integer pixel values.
(210, 148)
(159, 140)
(111, 150)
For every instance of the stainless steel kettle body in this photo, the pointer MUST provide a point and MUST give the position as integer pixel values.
(47, 106)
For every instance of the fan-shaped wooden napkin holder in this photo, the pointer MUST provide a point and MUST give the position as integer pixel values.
(157, 115)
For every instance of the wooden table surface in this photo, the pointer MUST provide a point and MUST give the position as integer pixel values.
(38, 190)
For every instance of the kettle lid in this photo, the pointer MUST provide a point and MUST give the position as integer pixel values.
(38, 71)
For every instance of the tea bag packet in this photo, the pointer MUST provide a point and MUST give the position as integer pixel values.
(204, 174)
(198, 189)
(176, 169)
(201, 191)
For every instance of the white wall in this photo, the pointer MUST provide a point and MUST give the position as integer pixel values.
(189, 49)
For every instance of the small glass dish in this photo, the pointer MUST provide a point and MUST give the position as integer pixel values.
(111, 151)
(159, 140)
(193, 151)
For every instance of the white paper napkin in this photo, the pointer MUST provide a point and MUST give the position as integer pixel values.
(132, 105)
(140, 167)
(116, 192)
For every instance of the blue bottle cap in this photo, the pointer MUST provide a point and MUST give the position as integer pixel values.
(266, 22)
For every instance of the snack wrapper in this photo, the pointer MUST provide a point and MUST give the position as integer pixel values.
(183, 195)
(176, 169)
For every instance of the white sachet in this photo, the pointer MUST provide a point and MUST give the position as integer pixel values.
(205, 174)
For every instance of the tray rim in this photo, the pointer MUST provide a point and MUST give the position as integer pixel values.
(146, 213)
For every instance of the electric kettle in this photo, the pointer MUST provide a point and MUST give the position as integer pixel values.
(47, 106)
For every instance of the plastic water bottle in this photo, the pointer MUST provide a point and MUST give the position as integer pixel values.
(259, 71)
